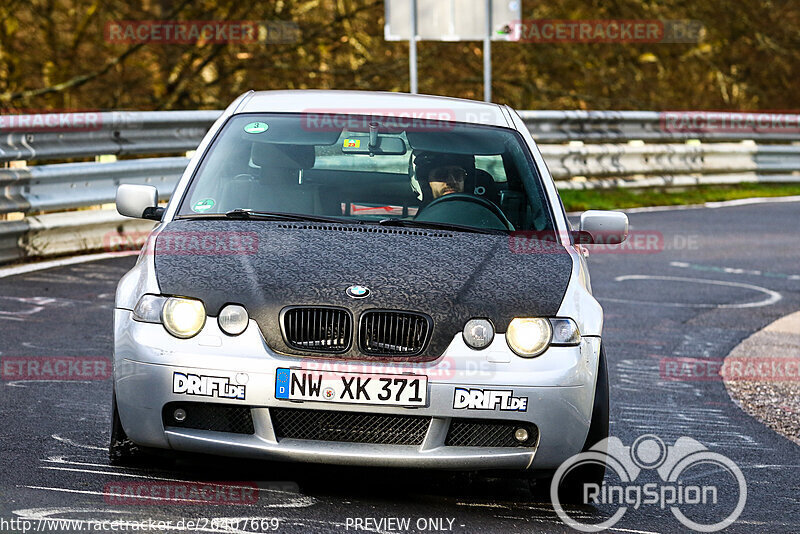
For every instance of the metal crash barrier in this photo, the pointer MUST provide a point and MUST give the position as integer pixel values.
(51, 209)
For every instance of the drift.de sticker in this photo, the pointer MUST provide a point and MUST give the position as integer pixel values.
(489, 399)
(206, 386)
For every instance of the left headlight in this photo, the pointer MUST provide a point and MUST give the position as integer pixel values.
(565, 332)
(530, 336)
(183, 317)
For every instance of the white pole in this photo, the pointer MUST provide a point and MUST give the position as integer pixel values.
(487, 54)
(412, 48)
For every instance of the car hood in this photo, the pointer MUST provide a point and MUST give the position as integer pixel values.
(268, 265)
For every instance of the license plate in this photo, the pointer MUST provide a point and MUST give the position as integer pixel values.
(391, 390)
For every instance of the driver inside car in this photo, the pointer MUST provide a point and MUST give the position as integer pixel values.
(440, 174)
(447, 179)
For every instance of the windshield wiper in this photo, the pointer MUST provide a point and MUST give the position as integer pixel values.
(247, 214)
(440, 226)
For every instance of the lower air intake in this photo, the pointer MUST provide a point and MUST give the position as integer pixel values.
(483, 433)
(207, 416)
(349, 427)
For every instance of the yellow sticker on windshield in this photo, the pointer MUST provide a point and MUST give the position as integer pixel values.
(352, 143)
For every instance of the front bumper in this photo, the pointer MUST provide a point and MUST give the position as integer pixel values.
(558, 385)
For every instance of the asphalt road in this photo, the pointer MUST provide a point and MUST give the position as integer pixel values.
(717, 280)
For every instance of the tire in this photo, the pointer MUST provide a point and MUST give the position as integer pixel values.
(121, 450)
(571, 489)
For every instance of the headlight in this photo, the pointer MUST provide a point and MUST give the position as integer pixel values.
(529, 337)
(233, 319)
(478, 333)
(182, 317)
(148, 309)
(565, 332)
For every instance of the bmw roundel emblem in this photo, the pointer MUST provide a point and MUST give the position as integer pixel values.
(357, 292)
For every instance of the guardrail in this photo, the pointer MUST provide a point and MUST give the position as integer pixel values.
(660, 126)
(583, 149)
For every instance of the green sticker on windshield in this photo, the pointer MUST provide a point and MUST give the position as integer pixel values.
(256, 127)
(203, 205)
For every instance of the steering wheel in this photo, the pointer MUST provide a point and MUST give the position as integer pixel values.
(464, 197)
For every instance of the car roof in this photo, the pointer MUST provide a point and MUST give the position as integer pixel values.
(374, 103)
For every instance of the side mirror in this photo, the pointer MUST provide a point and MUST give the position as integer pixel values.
(139, 201)
(605, 227)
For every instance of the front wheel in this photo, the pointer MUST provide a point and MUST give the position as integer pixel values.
(570, 489)
(121, 450)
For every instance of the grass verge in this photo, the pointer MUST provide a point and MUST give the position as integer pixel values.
(619, 198)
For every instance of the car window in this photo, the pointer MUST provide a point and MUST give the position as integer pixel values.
(370, 169)
(493, 165)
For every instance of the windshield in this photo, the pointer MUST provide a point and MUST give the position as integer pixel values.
(365, 169)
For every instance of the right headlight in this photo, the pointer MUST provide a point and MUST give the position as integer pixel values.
(529, 336)
(183, 317)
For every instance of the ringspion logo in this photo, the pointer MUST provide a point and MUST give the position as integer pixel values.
(704, 490)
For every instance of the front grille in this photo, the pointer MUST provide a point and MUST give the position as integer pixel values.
(483, 433)
(207, 416)
(393, 333)
(350, 427)
(317, 329)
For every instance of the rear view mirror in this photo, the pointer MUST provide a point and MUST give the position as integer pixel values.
(605, 227)
(139, 201)
(384, 145)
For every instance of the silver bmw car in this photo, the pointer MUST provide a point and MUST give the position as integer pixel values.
(362, 278)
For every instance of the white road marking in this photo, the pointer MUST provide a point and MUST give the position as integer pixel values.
(732, 270)
(749, 201)
(74, 444)
(45, 513)
(617, 529)
(62, 262)
(772, 296)
(710, 205)
(61, 460)
(25, 383)
(115, 474)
